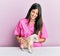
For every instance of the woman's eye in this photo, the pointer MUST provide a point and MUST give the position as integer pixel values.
(36, 13)
(33, 11)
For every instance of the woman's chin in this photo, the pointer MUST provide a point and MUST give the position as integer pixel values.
(33, 18)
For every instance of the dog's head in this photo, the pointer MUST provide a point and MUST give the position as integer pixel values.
(34, 38)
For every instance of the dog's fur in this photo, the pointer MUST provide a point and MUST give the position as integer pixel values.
(28, 42)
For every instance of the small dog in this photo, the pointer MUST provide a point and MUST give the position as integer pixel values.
(28, 42)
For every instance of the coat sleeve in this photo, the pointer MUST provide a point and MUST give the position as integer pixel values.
(17, 30)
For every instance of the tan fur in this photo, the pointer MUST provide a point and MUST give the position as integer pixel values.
(27, 42)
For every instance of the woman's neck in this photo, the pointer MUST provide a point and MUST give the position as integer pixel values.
(32, 22)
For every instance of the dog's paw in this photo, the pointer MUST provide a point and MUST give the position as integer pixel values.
(21, 47)
(30, 50)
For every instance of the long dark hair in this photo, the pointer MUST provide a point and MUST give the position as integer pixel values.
(38, 21)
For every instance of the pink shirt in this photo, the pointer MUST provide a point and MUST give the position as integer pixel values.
(24, 30)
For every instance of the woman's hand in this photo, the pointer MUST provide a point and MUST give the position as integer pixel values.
(42, 40)
(19, 39)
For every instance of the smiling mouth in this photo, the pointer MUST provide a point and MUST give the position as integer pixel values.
(33, 16)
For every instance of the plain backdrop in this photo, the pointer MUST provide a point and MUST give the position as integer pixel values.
(13, 10)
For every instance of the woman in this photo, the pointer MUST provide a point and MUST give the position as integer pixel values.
(32, 24)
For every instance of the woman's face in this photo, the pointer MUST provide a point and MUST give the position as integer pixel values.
(33, 14)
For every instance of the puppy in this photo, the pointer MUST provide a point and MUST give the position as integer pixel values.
(28, 42)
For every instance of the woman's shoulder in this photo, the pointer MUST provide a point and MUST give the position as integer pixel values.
(24, 20)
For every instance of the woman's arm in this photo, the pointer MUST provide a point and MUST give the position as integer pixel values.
(44, 34)
(19, 39)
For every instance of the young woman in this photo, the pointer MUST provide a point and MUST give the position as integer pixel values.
(32, 24)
